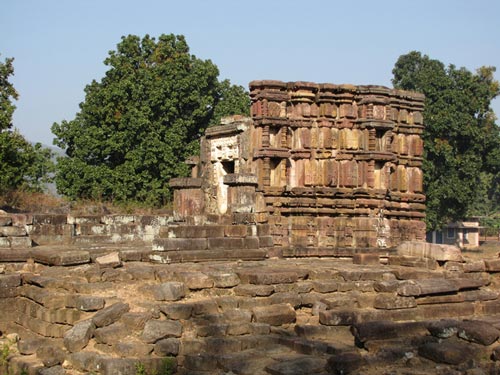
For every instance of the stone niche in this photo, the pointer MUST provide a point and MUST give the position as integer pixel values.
(329, 167)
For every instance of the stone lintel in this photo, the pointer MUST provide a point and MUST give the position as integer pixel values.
(235, 179)
(185, 182)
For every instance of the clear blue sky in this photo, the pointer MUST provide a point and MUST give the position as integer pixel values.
(59, 46)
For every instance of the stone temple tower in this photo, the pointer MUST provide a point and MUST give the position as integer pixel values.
(330, 168)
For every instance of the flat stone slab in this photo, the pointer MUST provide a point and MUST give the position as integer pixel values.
(428, 250)
(449, 352)
(298, 366)
(61, 257)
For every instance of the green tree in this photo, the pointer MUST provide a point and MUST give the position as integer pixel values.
(461, 139)
(22, 165)
(140, 122)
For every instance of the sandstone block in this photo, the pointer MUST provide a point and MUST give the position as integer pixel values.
(449, 352)
(366, 258)
(224, 279)
(433, 251)
(274, 315)
(109, 260)
(253, 290)
(10, 281)
(345, 363)
(385, 330)
(390, 301)
(5, 220)
(427, 286)
(167, 347)
(268, 277)
(217, 243)
(325, 286)
(28, 346)
(337, 317)
(20, 242)
(177, 311)
(492, 265)
(110, 314)
(195, 280)
(85, 361)
(444, 328)
(89, 303)
(301, 365)
(477, 331)
(132, 349)
(61, 258)
(78, 337)
(12, 231)
(200, 362)
(155, 330)
(169, 291)
(50, 355)
(110, 334)
(171, 244)
(135, 321)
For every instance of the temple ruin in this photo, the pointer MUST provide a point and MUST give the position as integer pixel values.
(331, 168)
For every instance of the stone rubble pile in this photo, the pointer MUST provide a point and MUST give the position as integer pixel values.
(316, 316)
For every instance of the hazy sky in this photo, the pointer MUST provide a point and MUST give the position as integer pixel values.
(59, 46)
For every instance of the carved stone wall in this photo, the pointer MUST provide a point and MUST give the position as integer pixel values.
(330, 167)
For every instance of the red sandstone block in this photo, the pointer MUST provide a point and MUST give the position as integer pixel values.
(366, 259)
(225, 243)
(235, 231)
(492, 265)
(251, 242)
(172, 244)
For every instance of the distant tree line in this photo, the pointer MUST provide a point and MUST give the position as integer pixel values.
(139, 123)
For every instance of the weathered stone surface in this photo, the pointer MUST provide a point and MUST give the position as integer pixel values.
(336, 317)
(29, 346)
(366, 258)
(200, 362)
(61, 258)
(78, 337)
(274, 315)
(89, 303)
(167, 347)
(109, 260)
(345, 363)
(155, 330)
(224, 279)
(268, 277)
(478, 332)
(135, 321)
(427, 286)
(254, 290)
(383, 330)
(301, 365)
(110, 314)
(450, 352)
(122, 366)
(443, 328)
(390, 301)
(132, 349)
(177, 311)
(195, 280)
(325, 286)
(110, 334)
(433, 251)
(50, 355)
(85, 361)
(169, 291)
(54, 370)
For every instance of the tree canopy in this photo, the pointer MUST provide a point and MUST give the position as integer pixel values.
(22, 165)
(461, 139)
(138, 124)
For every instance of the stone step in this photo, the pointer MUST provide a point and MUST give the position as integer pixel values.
(166, 257)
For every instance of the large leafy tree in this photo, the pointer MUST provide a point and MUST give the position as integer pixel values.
(461, 139)
(22, 165)
(141, 121)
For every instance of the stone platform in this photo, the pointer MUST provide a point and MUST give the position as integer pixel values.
(109, 314)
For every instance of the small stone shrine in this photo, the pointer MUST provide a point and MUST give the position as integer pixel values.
(330, 168)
